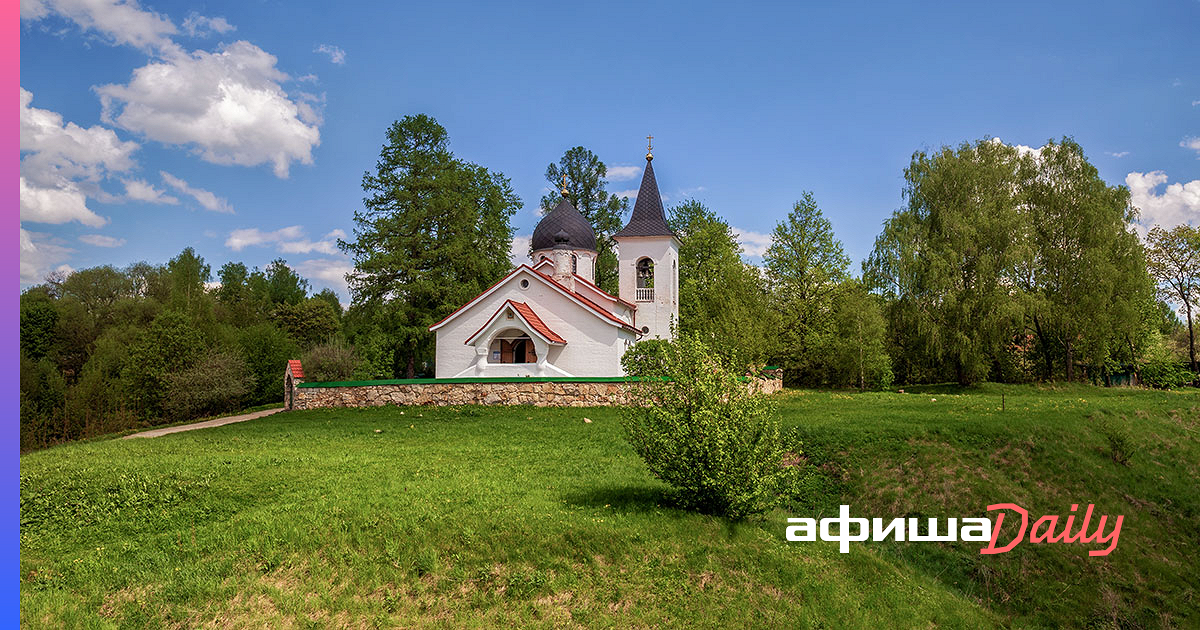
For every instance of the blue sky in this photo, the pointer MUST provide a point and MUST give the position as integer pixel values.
(243, 129)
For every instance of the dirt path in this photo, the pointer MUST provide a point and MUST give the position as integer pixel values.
(203, 425)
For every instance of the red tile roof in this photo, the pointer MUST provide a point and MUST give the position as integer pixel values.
(528, 315)
(296, 369)
(586, 302)
(537, 322)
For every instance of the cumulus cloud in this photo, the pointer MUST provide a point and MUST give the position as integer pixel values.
(753, 243)
(1179, 203)
(518, 252)
(197, 25)
(100, 240)
(336, 55)
(622, 173)
(120, 21)
(61, 204)
(141, 190)
(288, 240)
(226, 105)
(203, 197)
(41, 254)
(54, 151)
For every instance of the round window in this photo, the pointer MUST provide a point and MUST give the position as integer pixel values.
(524, 284)
(645, 329)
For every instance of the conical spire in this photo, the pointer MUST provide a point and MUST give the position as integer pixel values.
(648, 218)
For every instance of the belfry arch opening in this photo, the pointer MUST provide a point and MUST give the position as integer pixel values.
(645, 280)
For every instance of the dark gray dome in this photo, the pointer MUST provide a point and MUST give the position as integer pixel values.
(564, 218)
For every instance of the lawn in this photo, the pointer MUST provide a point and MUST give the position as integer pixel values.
(482, 517)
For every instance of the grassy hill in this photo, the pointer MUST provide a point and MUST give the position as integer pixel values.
(479, 517)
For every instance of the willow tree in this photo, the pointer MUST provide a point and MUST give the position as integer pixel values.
(434, 232)
(1088, 269)
(950, 257)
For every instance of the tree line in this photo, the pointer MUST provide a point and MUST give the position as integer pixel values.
(1003, 265)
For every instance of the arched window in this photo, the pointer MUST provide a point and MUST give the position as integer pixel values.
(512, 346)
(574, 263)
(645, 280)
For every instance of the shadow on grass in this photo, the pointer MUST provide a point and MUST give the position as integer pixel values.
(626, 498)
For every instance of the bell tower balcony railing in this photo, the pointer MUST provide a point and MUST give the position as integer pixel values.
(644, 294)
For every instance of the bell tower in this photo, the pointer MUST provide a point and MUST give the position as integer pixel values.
(648, 260)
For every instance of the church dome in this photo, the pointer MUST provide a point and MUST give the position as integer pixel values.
(564, 218)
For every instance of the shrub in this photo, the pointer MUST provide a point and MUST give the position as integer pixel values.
(1166, 375)
(647, 358)
(218, 383)
(706, 434)
(330, 361)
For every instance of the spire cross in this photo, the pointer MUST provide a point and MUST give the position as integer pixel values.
(564, 188)
(649, 147)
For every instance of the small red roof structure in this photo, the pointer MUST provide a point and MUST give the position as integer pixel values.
(529, 317)
(295, 368)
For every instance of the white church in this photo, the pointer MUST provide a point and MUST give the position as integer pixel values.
(549, 318)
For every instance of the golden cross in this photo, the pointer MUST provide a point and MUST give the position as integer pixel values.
(564, 190)
(648, 143)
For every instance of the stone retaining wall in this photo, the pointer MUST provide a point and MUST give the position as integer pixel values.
(533, 392)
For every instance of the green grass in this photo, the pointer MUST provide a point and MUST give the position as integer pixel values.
(483, 517)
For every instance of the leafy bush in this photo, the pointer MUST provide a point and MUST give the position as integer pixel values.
(647, 358)
(218, 383)
(1166, 375)
(706, 434)
(330, 361)
(308, 322)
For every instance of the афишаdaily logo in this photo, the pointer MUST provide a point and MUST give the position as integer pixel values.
(1044, 530)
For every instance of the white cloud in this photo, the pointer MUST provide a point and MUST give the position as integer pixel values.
(330, 272)
(518, 252)
(40, 255)
(622, 173)
(203, 197)
(141, 190)
(197, 25)
(227, 105)
(288, 240)
(100, 240)
(336, 55)
(753, 243)
(627, 194)
(1191, 143)
(121, 21)
(63, 204)
(1118, 154)
(1178, 204)
(1195, 103)
(54, 152)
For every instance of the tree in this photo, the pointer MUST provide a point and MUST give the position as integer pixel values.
(855, 355)
(1173, 257)
(804, 265)
(951, 256)
(283, 285)
(434, 232)
(187, 274)
(1087, 269)
(585, 186)
(310, 322)
(721, 298)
